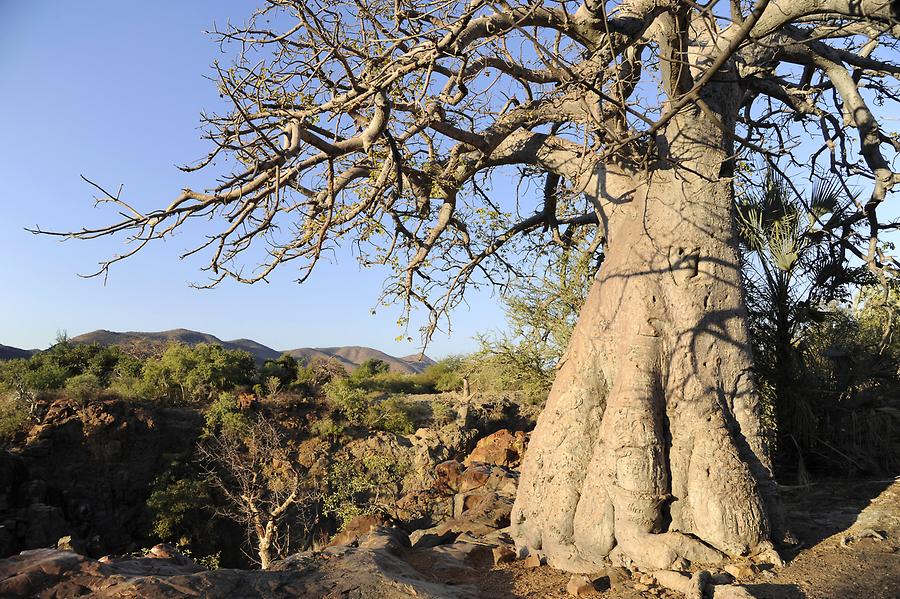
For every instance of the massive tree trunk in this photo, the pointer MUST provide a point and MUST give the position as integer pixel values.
(650, 448)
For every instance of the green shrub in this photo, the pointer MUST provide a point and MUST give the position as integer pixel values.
(223, 416)
(318, 373)
(49, 370)
(327, 429)
(375, 375)
(441, 412)
(501, 367)
(391, 415)
(353, 402)
(134, 388)
(179, 508)
(395, 382)
(444, 375)
(370, 368)
(199, 373)
(358, 487)
(33, 374)
(284, 369)
(272, 386)
(14, 417)
(84, 388)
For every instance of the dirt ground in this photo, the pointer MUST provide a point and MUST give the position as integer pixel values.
(840, 554)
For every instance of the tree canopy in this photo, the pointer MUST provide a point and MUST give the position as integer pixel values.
(380, 122)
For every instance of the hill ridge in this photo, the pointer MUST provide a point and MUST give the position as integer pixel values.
(8, 352)
(146, 343)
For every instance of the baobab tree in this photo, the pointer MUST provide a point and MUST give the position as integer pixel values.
(382, 124)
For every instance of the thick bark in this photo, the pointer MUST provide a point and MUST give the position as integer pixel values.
(650, 448)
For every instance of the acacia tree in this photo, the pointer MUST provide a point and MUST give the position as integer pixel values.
(380, 122)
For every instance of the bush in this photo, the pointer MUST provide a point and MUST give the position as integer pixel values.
(445, 375)
(284, 369)
(14, 417)
(84, 388)
(391, 415)
(358, 487)
(833, 395)
(224, 417)
(318, 373)
(504, 367)
(441, 412)
(350, 400)
(327, 429)
(33, 374)
(198, 373)
(179, 509)
(375, 375)
(131, 387)
(370, 368)
(395, 382)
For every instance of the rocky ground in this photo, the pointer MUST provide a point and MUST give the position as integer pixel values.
(445, 537)
(849, 536)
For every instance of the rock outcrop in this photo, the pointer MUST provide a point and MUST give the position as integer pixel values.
(379, 567)
(475, 501)
(503, 448)
(86, 472)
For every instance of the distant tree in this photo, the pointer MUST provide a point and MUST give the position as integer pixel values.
(84, 388)
(349, 399)
(370, 368)
(541, 312)
(201, 372)
(320, 371)
(50, 369)
(32, 375)
(181, 506)
(444, 375)
(285, 368)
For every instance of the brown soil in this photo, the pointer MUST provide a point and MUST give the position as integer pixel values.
(828, 563)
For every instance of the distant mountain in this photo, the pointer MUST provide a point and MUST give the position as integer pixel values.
(145, 344)
(352, 356)
(13, 353)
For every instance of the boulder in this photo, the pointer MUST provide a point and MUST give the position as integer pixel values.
(424, 508)
(452, 477)
(533, 561)
(359, 527)
(456, 563)
(503, 554)
(426, 540)
(476, 500)
(580, 586)
(503, 448)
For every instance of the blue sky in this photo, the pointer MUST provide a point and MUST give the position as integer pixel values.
(113, 90)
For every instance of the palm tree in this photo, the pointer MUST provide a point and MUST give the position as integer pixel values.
(793, 271)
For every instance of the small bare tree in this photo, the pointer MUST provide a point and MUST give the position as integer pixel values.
(262, 484)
